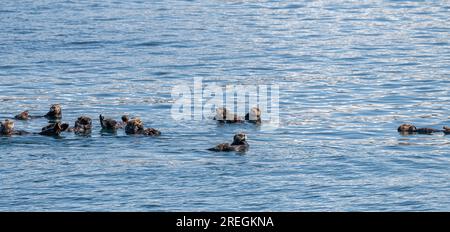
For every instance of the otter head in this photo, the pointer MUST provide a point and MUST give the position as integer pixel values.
(6, 127)
(55, 111)
(23, 116)
(221, 113)
(125, 118)
(255, 113)
(407, 128)
(239, 138)
(446, 129)
(134, 126)
(83, 122)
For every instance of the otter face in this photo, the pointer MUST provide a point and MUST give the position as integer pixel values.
(125, 118)
(239, 138)
(55, 112)
(221, 113)
(83, 121)
(255, 113)
(83, 125)
(55, 109)
(407, 128)
(23, 116)
(135, 126)
(6, 127)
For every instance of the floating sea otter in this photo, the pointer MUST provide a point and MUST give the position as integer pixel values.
(23, 116)
(83, 125)
(224, 116)
(411, 129)
(110, 124)
(135, 126)
(54, 129)
(54, 113)
(446, 130)
(239, 144)
(254, 116)
(7, 128)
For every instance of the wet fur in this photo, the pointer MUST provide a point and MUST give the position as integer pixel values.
(136, 127)
(23, 116)
(7, 128)
(110, 124)
(254, 116)
(54, 113)
(446, 130)
(54, 129)
(224, 116)
(239, 144)
(83, 125)
(411, 129)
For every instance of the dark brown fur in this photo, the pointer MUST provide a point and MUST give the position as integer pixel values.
(239, 144)
(407, 128)
(411, 129)
(83, 125)
(224, 116)
(7, 128)
(136, 127)
(54, 129)
(111, 124)
(23, 116)
(446, 130)
(55, 112)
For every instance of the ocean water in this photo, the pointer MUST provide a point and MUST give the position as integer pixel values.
(349, 73)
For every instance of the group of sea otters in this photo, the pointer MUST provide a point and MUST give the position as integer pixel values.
(135, 126)
(83, 126)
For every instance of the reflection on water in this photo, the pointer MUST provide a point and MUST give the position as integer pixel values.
(349, 74)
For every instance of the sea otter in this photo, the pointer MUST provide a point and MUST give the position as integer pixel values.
(410, 129)
(54, 129)
(7, 128)
(239, 144)
(224, 116)
(446, 130)
(407, 128)
(54, 113)
(23, 116)
(83, 125)
(135, 126)
(151, 132)
(254, 116)
(111, 124)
